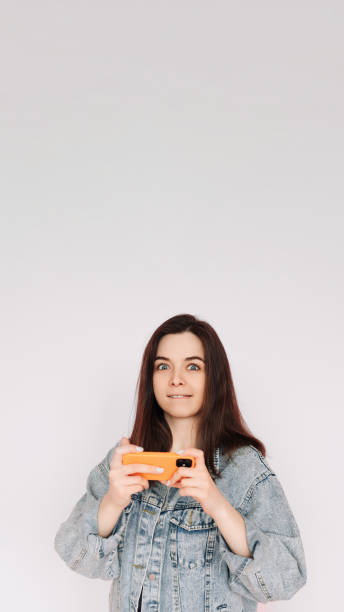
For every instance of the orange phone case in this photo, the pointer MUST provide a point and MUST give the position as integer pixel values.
(169, 461)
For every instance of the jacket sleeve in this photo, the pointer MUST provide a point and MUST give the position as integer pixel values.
(77, 541)
(277, 569)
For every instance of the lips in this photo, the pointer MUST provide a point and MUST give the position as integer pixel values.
(184, 395)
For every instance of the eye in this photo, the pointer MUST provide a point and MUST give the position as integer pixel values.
(190, 364)
(195, 364)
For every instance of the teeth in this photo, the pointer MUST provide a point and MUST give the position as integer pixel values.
(178, 396)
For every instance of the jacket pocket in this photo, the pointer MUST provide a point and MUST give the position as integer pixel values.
(193, 537)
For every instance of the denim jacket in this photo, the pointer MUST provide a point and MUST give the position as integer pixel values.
(168, 548)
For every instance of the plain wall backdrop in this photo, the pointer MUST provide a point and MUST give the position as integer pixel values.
(160, 158)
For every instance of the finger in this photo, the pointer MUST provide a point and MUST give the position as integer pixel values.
(125, 442)
(186, 481)
(145, 483)
(176, 475)
(132, 468)
(182, 471)
(195, 452)
(136, 480)
(175, 481)
(119, 451)
(176, 485)
(185, 471)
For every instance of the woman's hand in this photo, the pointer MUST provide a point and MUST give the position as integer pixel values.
(122, 482)
(197, 482)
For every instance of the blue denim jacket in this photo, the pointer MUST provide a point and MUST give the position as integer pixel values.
(168, 547)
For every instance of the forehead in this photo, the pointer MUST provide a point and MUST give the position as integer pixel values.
(179, 346)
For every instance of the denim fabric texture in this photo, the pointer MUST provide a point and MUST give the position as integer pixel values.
(168, 547)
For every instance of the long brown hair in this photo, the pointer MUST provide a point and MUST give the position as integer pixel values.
(220, 424)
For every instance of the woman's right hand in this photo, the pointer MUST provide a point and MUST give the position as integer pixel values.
(121, 484)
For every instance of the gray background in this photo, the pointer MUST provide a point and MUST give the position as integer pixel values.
(160, 158)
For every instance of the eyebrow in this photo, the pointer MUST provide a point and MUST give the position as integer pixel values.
(186, 358)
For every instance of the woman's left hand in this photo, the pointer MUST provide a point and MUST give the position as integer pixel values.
(197, 482)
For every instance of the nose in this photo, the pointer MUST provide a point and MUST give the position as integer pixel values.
(176, 379)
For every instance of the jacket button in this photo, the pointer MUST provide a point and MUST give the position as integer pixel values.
(151, 576)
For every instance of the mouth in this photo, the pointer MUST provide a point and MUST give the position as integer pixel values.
(179, 396)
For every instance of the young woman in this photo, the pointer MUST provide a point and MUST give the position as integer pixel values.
(218, 536)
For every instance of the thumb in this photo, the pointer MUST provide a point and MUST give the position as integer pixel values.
(124, 441)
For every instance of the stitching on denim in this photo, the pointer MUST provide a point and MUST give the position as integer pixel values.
(75, 564)
(262, 585)
(249, 493)
(240, 570)
(264, 476)
(100, 548)
(101, 467)
(261, 457)
(217, 458)
(179, 505)
(198, 527)
(149, 511)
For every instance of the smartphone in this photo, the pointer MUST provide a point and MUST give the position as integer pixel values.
(169, 461)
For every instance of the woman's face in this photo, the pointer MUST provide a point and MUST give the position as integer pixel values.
(176, 374)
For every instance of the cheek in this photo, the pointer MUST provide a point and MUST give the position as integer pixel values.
(157, 386)
(201, 384)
